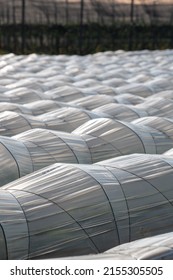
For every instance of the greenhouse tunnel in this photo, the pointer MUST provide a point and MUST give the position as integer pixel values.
(92, 209)
(95, 140)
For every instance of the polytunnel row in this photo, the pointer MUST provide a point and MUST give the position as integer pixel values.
(111, 104)
(90, 210)
(64, 119)
(68, 118)
(95, 140)
(88, 81)
(140, 73)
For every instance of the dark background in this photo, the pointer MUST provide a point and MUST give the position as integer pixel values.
(69, 27)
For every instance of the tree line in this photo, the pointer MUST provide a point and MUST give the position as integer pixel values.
(83, 26)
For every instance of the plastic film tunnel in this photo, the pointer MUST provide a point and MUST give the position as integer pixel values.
(96, 140)
(69, 209)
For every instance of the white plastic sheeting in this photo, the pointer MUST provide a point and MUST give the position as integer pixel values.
(33, 108)
(63, 119)
(169, 152)
(22, 95)
(36, 149)
(121, 111)
(135, 88)
(78, 209)
(165, 125)
(162, 107)
(94, 141)
(65, 209)
(108, 138)
(128, 98)
(92, 102)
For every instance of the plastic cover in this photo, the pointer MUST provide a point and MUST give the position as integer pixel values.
(121, 111)
(158, 247)
(87, 209)
(65, 119)
(92, 102)
(108, 138)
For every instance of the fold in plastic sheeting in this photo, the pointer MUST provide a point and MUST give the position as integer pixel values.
(94, 141)
(166, 94)
(12, 123)
(121, 111)
(33, 108)
(13, 107)
(139, 89)
(169, 153)
(165, 125)
(158, 106)
(43, 106)
(92, 102)
(64, 93)
(86, 209)
(22, 95)
(159, 247)
(64, 119)
(38, 148)
(129, 99)
(99, 89)
(53, 146)
(108, 138)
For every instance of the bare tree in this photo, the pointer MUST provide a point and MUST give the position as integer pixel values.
(151, 11)
(67, 11)
(132, 12)
(14, 11)
(23, 10)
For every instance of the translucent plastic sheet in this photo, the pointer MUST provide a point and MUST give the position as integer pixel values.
(129, 99)
(92, 102)
(46, 147)
(87, 209)
(78, 209)
(65, 119)
(85, 83)
(169, 152)
(33, 108)
(164, 125)
(158, 247)
(135, 88)
(12, 123)
(94, 141)
(64, 93)
(99, 89)
(107, 138)
(160, 84)
(121, 111)
(20, 154)
(14, 226)
(36, 149)
(43, 106)
(13, 107)
(167, 94)
(114, 82)
(158, 107)
(23, 95)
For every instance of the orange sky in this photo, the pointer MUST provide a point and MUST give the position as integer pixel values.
(146, 1)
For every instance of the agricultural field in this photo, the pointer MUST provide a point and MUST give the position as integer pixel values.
(86, 147)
